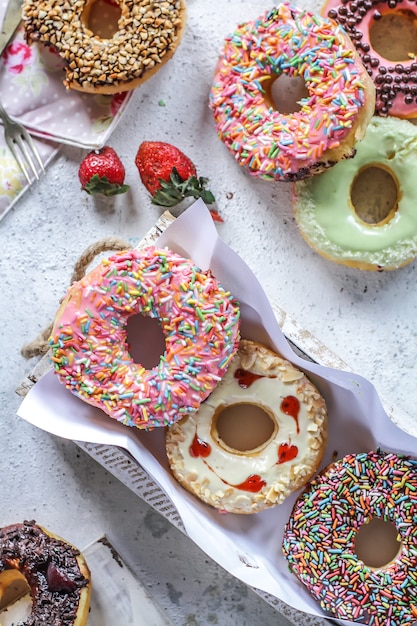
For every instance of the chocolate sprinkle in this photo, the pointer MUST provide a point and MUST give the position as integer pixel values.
(392, 83)
(51, 568)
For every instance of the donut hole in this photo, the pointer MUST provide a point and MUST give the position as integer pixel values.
(145, 339)
(374, 195)
(244, 427)
(394, 35)
(15, 598)
(376, 543)
(284, 93)
(102, 18)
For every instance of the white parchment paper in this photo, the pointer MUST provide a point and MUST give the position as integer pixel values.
(248, 546)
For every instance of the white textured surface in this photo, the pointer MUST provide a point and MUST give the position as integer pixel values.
(365, 318)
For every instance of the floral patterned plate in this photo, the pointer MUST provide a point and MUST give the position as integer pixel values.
(32, 92)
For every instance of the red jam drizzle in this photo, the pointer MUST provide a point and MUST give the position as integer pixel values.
(245, 378)
(253, 483)
(286, 452)
(291, 406)
(199, 448)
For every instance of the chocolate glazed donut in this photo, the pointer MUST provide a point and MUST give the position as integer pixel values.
(56, 573)
(395, 80)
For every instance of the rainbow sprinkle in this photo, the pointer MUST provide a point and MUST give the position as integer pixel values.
(199, 319)
(298, 43)
(319, 538)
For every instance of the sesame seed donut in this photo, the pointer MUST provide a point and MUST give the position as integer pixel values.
(352, 539)
(361, 213)
(385, 35)
(34, 560)
(199, 320)
(256, 439)
(332, 117)
(148, 34)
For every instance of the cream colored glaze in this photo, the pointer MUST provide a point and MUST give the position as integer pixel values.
(215, 477)
(328, 221)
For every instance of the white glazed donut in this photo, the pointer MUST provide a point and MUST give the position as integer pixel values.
(220, 453)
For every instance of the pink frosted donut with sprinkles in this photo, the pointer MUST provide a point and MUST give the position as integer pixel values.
(337, 541)
(385, 35)
(199, 319)
(333, 115)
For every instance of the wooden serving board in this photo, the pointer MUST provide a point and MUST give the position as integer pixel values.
(126, 469)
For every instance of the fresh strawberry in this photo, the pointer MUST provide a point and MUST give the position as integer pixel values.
(169, 175)
(101, 171)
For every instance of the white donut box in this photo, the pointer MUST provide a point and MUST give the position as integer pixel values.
(122, 464)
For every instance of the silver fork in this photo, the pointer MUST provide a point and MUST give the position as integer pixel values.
(22, 147)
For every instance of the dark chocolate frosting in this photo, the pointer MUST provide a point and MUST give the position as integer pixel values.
(51, 568)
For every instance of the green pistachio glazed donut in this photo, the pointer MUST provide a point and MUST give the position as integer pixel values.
(362, 212)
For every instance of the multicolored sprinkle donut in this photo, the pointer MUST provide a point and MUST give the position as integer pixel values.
(199, 319)
(257, 438)
(332, 118)
(320, 538)
(395, 80)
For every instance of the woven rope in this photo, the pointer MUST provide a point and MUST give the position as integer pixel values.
(40, 345)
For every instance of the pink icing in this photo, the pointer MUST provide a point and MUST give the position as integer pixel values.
(199, 319)
(295, 42)
(396, 82)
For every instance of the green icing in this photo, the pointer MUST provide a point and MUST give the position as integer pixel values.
(325, 214)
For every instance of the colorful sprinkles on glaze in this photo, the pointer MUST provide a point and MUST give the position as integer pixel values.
(319, 538)
(286, 40)
(199, 319)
